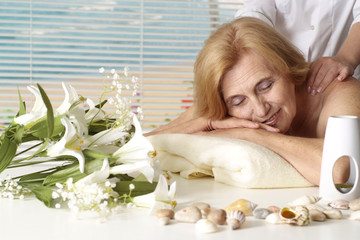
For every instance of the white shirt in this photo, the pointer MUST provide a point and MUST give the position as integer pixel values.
(317, 27)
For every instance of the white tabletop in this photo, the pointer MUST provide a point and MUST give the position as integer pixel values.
(30, 219)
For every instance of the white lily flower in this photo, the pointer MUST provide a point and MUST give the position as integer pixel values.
(38, 111)
(106, 137)
(134, 155)
(97, 176)
(71, 97)
(161, 198)
(93, 114)
(70, 144)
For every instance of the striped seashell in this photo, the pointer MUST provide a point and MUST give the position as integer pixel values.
(304, 200)
(243, 205)
(235, 219)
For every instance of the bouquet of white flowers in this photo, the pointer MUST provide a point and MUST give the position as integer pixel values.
(94, 161)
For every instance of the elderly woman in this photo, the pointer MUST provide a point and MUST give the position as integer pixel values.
(250, 83)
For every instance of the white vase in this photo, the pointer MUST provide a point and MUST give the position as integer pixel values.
(342, 138)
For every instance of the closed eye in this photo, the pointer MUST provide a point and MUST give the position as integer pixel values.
(264, 85)
(236, 101)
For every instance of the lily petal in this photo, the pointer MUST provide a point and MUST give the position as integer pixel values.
(71, 97)
(93, 114)
(106, 137)
(161, 198)
(137, 148)
(38, 111)
(134, 169)
(70, 144)
(97, 176)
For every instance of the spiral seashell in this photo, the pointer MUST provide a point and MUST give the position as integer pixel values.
(243, 205)
(235, 219)
(205, 226)
(298, 216)
(339, 204)
(304, 200)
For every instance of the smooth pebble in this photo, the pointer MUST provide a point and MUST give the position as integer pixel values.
(188, 214)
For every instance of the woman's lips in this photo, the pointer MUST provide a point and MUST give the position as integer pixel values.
(272, 120)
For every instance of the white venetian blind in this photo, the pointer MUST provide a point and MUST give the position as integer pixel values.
(54, 41)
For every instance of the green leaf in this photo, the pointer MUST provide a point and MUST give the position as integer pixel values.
(8, 150)
(141, 188)
(93, 154)
(22, 107)
(40, 129)
(49, 113)
(72, 171)
(42, 193)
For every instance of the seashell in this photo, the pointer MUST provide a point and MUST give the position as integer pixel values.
(164, 220)
(339, 204)
(169, 213)
(205, 208)
(317, 215)
(217, 216)
(315, 206)
(205, 226)
(355, 216)
(243, 205)
(188, 214)
(304, 200)
(274, 218)
(201, 205)
(274, 209)
(261, 213)
(355, 204)
(298, 216)
(333, 213)
(235, 219)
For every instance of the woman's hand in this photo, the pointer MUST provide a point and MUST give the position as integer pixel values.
(233, 122)
(325, 70)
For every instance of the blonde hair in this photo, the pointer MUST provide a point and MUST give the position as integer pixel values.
(225, 47)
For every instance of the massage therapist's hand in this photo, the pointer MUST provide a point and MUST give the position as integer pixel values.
(325, 70)
(233, 122)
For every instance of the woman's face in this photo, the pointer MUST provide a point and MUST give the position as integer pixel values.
(254, 92)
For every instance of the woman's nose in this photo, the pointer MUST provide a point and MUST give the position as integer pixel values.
(260, 108)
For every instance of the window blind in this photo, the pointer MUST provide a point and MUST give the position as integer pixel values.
(49, 42)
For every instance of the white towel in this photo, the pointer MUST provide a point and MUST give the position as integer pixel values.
(231, 161)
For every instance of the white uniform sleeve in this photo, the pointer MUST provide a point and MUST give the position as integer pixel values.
(356, 12)
(264, 10)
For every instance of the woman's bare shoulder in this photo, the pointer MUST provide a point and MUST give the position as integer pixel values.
(340, 98)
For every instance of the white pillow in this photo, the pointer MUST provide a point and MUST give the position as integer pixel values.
(231, 161)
